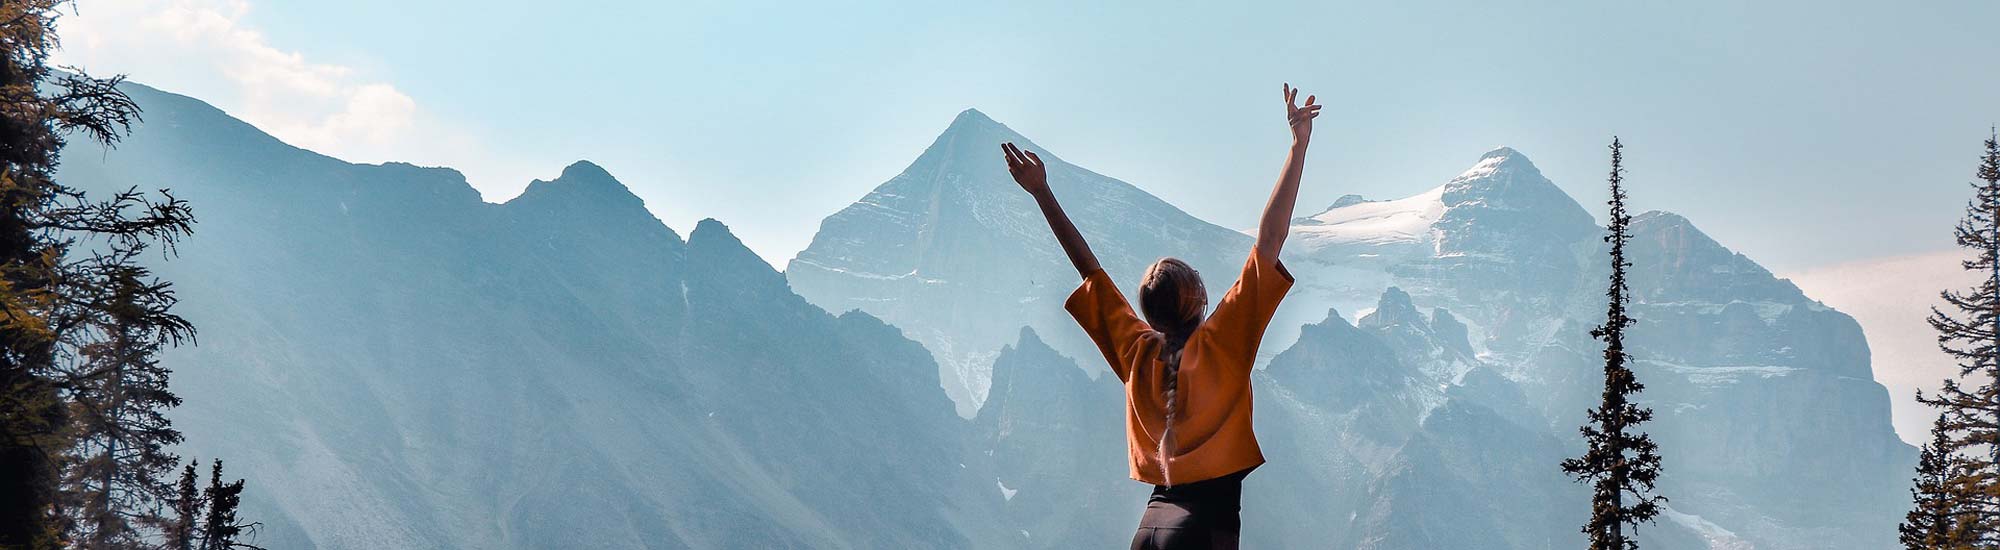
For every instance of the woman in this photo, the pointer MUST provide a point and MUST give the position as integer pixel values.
(1187, 379)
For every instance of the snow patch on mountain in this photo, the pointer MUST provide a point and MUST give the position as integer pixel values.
(1488, 164)
(1717, 537)
(1372, 223)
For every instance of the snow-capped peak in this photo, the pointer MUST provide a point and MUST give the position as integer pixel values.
(1506, 192)
(1492, 162)
(973, 120)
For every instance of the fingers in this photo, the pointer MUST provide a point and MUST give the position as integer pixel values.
(1309, 100)
(1291, 96)
(1018, 159)
(1309, 109)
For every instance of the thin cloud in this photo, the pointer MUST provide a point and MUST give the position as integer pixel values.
(208, 49)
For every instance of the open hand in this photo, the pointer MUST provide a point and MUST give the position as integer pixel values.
(1027, 169)
(1301, 118)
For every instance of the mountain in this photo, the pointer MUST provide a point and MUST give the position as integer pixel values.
(952, 251)
(1759, 389)
(1499, 244)
(1766, 392)
(1887, 296)
(1470, 357)
(394, 363)
(1055, 441)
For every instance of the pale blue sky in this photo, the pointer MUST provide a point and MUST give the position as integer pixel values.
(1799, 133)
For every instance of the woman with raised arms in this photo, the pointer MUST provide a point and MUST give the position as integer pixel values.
(1186, 377)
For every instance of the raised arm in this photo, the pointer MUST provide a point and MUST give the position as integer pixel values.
(1277, 221)
(1033, 176)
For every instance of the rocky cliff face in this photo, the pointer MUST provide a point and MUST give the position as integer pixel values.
(1055, 442)
(1764, 391)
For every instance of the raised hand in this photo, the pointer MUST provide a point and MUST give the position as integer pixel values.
(1301, 118)
(1027, 169)
(1033, 176)
(1277, 220)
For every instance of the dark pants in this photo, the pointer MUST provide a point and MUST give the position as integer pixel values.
(1202, 515)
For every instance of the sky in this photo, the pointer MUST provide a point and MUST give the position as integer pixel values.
(1803, 134)
(1825, 139)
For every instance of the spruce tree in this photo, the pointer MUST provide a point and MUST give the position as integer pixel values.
(1621, 461)
(1941, 518)
(179, 532)
(116, 472)
(50, 285)
(1968, 328)
(221, 530)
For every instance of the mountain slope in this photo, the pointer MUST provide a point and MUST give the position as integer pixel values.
(952, 251)
(1055, 440)
(1758, 387)
(394, 363)
(1889, 297)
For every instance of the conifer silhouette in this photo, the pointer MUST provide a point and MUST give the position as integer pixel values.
(81, 435)
(220, 529)
(180, 533)
(1968, 329)
(1621, 460)
(1942, 517)
(115, 480)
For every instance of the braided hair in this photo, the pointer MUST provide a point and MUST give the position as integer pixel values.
(1173, 299)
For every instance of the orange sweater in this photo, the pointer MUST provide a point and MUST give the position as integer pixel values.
(1212, 429)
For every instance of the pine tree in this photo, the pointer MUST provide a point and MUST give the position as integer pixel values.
(1621, 461)
(1969, 331)
(221, 530)
(179, 533)
(115, 474)
(1941, 518)
(50, 291)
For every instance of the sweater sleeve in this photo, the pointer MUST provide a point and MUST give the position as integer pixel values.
(1104, 314)
(1245, 311)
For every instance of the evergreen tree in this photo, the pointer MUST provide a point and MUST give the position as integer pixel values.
(1969, 330)
(115, 475)
(49, 296)
(220, 529)
(1940, 519)
(1621, 461)
(179, 533)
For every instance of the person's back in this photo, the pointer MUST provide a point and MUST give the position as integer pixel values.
(1187, 379)
(1206, 392)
